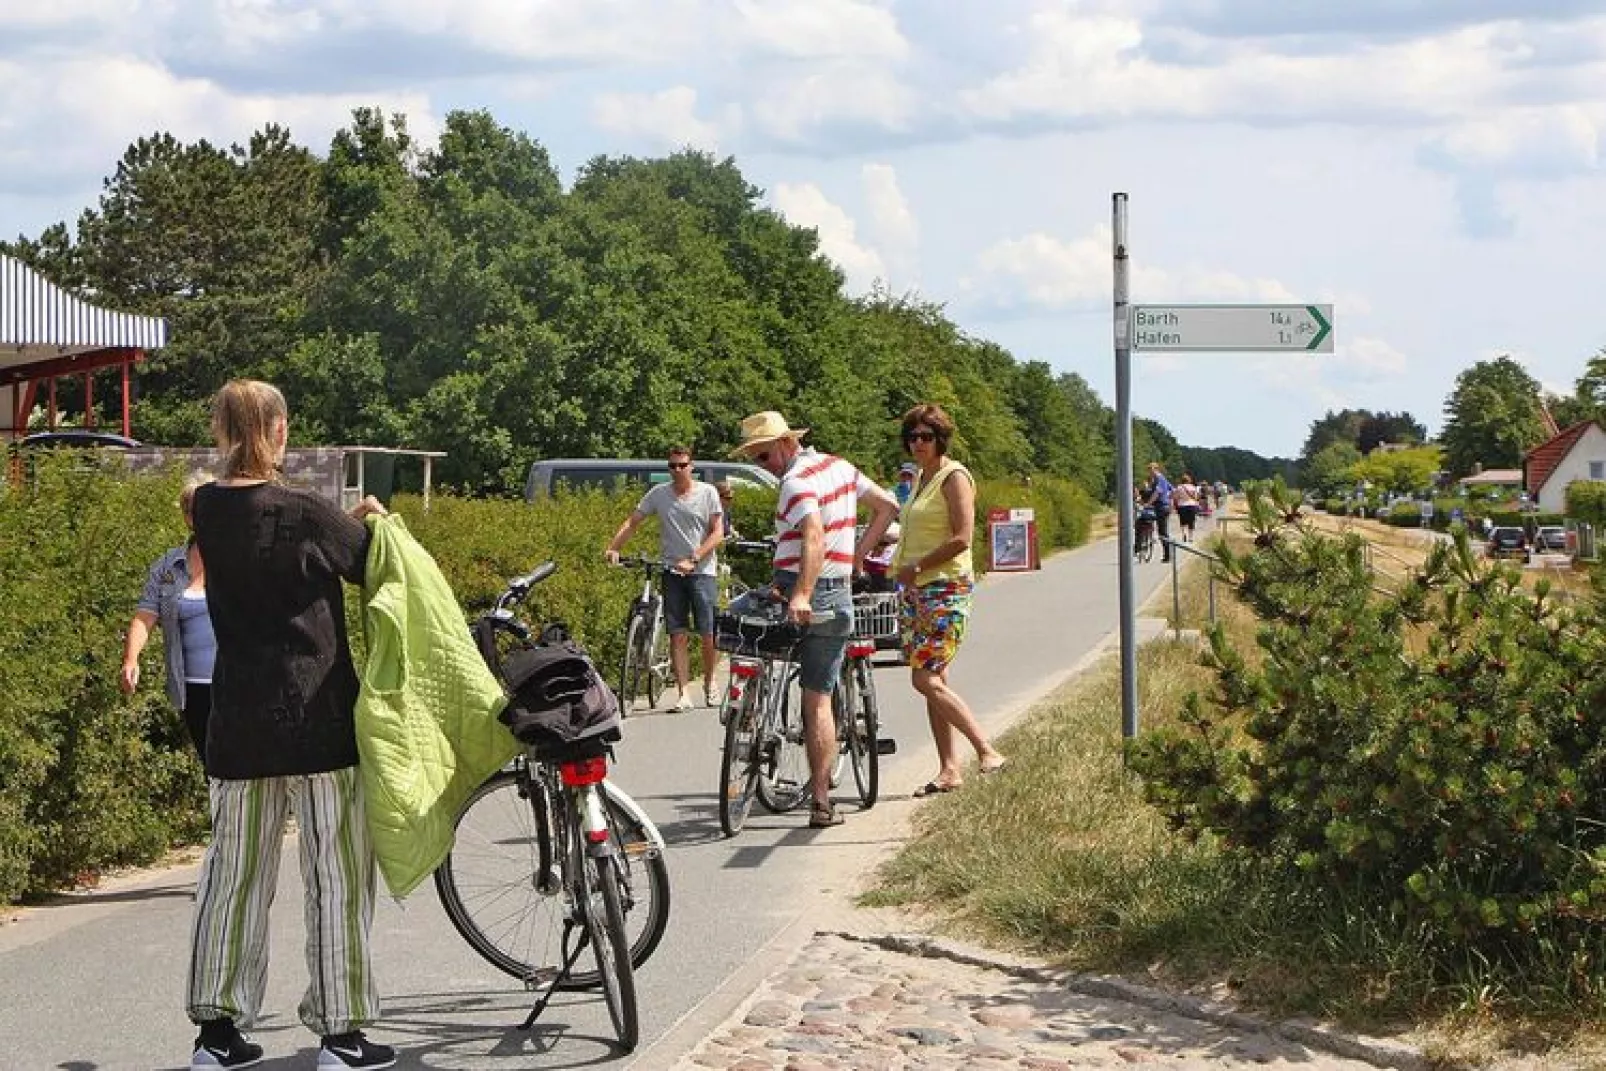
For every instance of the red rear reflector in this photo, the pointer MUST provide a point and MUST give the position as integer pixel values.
(744, 670)
(861, 650)
(585, 772)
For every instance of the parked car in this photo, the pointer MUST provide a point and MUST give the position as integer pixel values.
(1550, 537)
(606, 472)
(1508, 542)
(77, 438)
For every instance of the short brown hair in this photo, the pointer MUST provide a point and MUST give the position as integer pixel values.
(934, 417)
(243, 415)
(678, 450)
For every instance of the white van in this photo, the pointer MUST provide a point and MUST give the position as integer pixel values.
(607, 472)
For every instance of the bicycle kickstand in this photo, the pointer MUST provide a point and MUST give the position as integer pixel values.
(560, 977)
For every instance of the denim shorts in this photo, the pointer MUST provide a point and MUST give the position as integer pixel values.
(820, 655)
(688, 596)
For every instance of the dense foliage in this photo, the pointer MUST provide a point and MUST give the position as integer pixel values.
(1432, 755)
(459, 298)
(90, 778)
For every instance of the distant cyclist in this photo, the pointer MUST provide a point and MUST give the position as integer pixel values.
(815, 559)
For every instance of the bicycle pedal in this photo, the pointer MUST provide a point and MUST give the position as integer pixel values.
(886, 745)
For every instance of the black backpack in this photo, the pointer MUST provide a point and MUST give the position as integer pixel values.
(557, 701)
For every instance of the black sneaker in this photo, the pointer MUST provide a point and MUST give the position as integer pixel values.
(341, 1051)
(222, 1045)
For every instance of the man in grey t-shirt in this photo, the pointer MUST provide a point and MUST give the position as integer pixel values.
(690, 526)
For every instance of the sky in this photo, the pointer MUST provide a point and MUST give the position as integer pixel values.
(1431, 168)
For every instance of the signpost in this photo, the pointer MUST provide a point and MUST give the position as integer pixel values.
(1232, 328)
(1182, 329)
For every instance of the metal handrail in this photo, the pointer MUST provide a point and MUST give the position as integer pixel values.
(1172, 546)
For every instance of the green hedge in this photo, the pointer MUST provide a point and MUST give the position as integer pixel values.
(90, 778)
(1586, 501)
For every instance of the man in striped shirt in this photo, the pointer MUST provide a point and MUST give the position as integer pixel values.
(816, 557)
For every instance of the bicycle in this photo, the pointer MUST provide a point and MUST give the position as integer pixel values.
(858, 719)
(1144, 551)
(645, 666)
(551, 858)
(765, 756)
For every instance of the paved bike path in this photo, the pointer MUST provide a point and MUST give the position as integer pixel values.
(95, 981)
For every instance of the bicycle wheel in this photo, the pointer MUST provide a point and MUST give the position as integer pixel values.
(1146, 549)
(630, 667)
(863, 727)
(655, 658)
(605, 926)
(783, 783)
(739, 765)
(491, 895)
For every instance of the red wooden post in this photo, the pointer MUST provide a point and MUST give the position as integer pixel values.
(89, 400)
(52, 403)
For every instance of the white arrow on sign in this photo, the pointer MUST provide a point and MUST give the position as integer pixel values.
(1232, 328)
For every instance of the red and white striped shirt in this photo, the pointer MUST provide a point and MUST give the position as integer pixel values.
(829, 486)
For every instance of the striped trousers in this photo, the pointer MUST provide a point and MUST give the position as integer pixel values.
(229, 941)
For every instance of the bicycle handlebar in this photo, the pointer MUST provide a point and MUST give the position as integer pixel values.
(520, 586)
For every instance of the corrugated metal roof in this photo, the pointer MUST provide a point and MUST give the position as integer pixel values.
(35, 312)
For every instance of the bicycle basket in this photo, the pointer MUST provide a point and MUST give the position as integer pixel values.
(755, 636)
(875, 615)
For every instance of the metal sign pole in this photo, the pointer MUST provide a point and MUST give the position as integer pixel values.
(1123, 474)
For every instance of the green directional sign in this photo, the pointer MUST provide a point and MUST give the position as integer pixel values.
(1232, 328)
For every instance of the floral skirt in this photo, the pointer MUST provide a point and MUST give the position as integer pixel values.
(933, 619)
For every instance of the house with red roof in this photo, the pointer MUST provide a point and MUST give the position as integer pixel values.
(1575, 453)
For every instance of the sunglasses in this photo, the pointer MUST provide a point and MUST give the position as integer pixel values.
(680, 464)
(919, 436)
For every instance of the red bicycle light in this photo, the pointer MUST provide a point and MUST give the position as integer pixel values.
(858, 649)
(744, 670)
(585, 772)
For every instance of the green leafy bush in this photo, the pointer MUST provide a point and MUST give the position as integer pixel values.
(1435, 754)
(88, 778)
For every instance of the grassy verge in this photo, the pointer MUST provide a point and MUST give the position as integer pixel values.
(1061, 857)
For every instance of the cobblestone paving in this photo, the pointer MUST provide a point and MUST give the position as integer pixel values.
(846, 1004)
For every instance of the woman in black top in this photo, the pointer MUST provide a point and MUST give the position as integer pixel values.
(281, 737)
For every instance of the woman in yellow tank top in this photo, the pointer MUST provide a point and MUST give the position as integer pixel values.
(936, 579)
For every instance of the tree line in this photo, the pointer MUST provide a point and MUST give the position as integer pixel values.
(460, 298)
(1493, 416)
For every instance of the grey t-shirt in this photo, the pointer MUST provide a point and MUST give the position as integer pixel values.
(683, 522)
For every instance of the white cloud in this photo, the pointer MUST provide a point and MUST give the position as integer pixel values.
(1367, 359)
(805, 205)
(1052, 273)
(1094, 67)
(822, 29)
(795, 107)
(668, 118)
(108, 102)
(892, 222)
(1547, 141)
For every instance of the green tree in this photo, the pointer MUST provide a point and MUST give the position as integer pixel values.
(1492, 417)
(1400, 471)
(1330, 470)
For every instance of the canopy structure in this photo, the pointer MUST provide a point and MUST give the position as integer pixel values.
(46, 333)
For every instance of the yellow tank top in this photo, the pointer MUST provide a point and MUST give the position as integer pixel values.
(924, 527)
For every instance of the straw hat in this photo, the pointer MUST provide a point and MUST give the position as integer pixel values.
(765, 427)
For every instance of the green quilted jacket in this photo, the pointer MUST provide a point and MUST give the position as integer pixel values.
(426, 715)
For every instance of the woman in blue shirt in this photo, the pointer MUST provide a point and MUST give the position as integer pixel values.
(175, 600)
